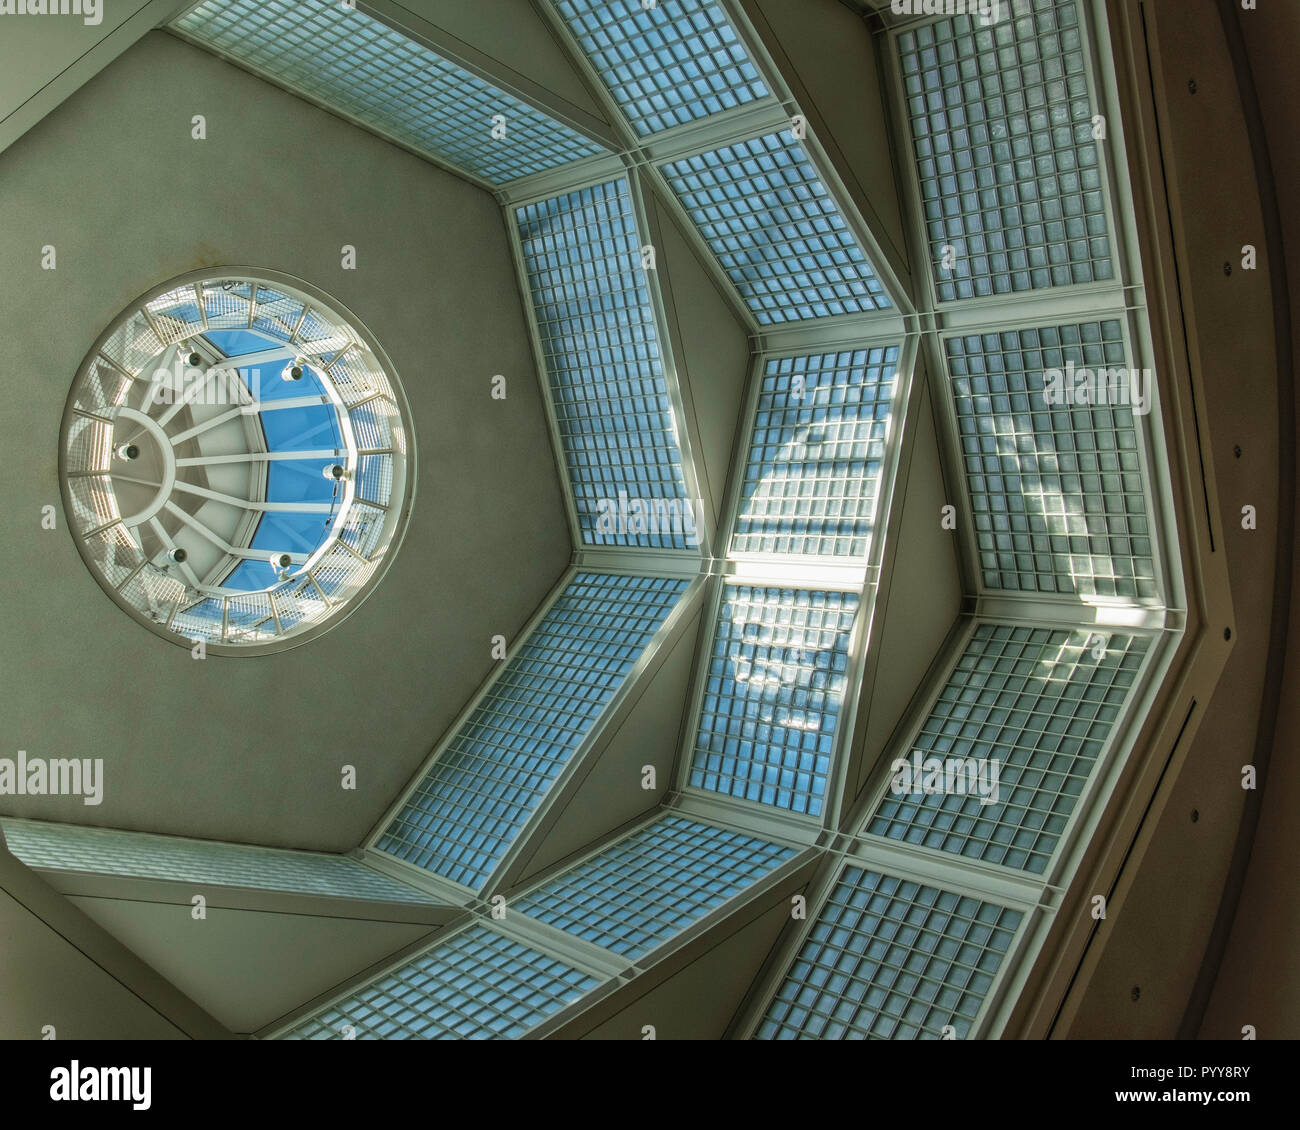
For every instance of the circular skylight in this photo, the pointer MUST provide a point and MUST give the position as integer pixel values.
(235, 462)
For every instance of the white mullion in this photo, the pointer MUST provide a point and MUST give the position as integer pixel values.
(672, 358)
(544, 376)
(417, 778)
(529, 836)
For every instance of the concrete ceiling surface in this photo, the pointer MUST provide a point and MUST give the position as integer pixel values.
(252, 749)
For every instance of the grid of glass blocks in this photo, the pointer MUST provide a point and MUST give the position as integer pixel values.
(1002, 129)
(1001, 762)
(773, 694)
(649, 886)
(349, 61)
(816, 454)
(1049, 442)
(890, 959)
(139, 855)
(582, 254)
(776, 230)
(477, 985)
(673, 62)
(480, 792)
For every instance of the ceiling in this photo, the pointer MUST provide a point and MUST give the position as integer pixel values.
(253, 751)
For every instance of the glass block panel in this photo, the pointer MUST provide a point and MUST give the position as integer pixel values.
(816, 454)
(773, 695)
(649, 886)
(776, 230)
(1039, 704)
(480, 792)
(351, 62)
(1002, 132)
(477, 985)
(1055, 476)
(890, 959)
(674, 63)
(138, 855)
(582, 254)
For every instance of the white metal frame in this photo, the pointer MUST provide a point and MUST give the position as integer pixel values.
(837, 838)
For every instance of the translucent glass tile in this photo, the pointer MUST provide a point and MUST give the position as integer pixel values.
(353, 63)
(648, 887)
(772, 698)
(673, 63)
(480, 792)
(776, 230)
(582, 254)
(890, 959)
(477, 985)
(1002, 131)
(816, 454)
(138, 855)
(1041, 704)
(1057, 491)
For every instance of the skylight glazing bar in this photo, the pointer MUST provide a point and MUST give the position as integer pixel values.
(351, 63)
(767, 216)
(1012, 745)
(479, 793)
(770, 697)
(1049, 421)
(817, 446)
(644, 889)
(666, 64)
(476, 984)
(887, 957)
(1007, 151)
(586, 271)
(139, 855)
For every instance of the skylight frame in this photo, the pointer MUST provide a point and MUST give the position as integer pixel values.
(1127, 273)
(1038, 894)
(608, 969)
(504, 929)
(840, 840)
(347, 335)
(1092, 797)
(632, 965)
(779, 820)
(625, 118)
(771, 115)
(1122, 297)
(668, 345)
(460, 893)
(815, 566)
(424, 35)
(1149, 452)
(120, 856)
(997, 1001)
